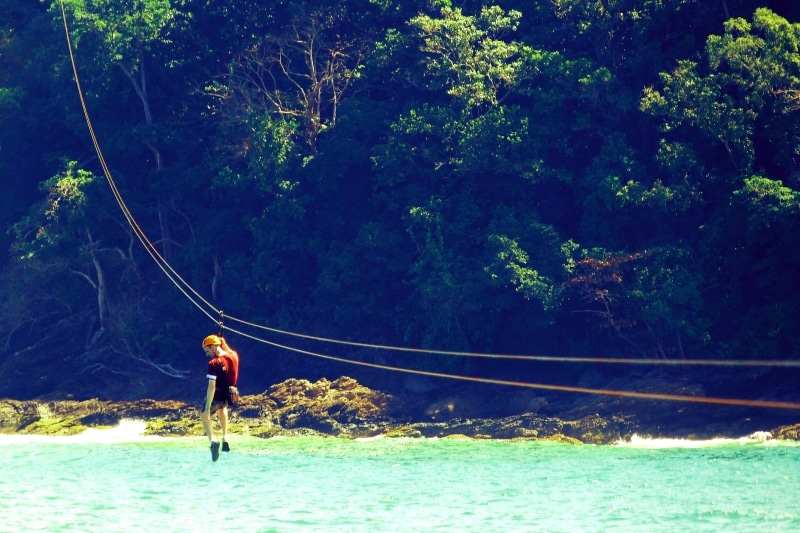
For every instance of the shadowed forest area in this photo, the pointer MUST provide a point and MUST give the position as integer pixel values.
(576, 178)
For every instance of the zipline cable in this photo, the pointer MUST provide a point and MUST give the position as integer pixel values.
(540, 358)
(543, 386)
(140, 234)
(186, 289)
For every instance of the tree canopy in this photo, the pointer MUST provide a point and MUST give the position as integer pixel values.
(562, 177)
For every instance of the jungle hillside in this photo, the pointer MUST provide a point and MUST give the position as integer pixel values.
(568, 178)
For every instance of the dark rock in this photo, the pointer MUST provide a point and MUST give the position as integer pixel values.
(345, 408)
(791, 432)
(101, 419)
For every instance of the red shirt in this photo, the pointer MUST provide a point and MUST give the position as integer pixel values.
(233, 367)
(224, 369)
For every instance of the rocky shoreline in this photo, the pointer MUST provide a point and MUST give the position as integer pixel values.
(346, 409)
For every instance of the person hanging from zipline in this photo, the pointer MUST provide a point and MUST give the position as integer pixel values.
(223, 375)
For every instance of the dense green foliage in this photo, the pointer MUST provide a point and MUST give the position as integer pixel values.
(557, 176)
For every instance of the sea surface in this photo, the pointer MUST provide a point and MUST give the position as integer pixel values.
(119, 480)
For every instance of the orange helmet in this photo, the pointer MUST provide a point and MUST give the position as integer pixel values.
(212, 340)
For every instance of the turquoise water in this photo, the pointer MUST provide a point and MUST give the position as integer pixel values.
(115, 480)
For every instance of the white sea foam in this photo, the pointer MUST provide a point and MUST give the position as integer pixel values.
(370, 439)
(760, 436)
(125, 431)
(637, 441)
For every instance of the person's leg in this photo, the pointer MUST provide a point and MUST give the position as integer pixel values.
(205, 418)
(223, 421)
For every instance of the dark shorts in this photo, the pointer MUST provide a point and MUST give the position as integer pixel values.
(216, 405)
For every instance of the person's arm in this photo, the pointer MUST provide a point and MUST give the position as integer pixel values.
(212, 386)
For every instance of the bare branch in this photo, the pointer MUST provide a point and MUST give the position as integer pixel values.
(140, 356)
(304, 73)
(792, 97)
(84, 276)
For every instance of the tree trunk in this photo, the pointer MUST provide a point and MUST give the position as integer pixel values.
(102, 301)
(140, 86)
